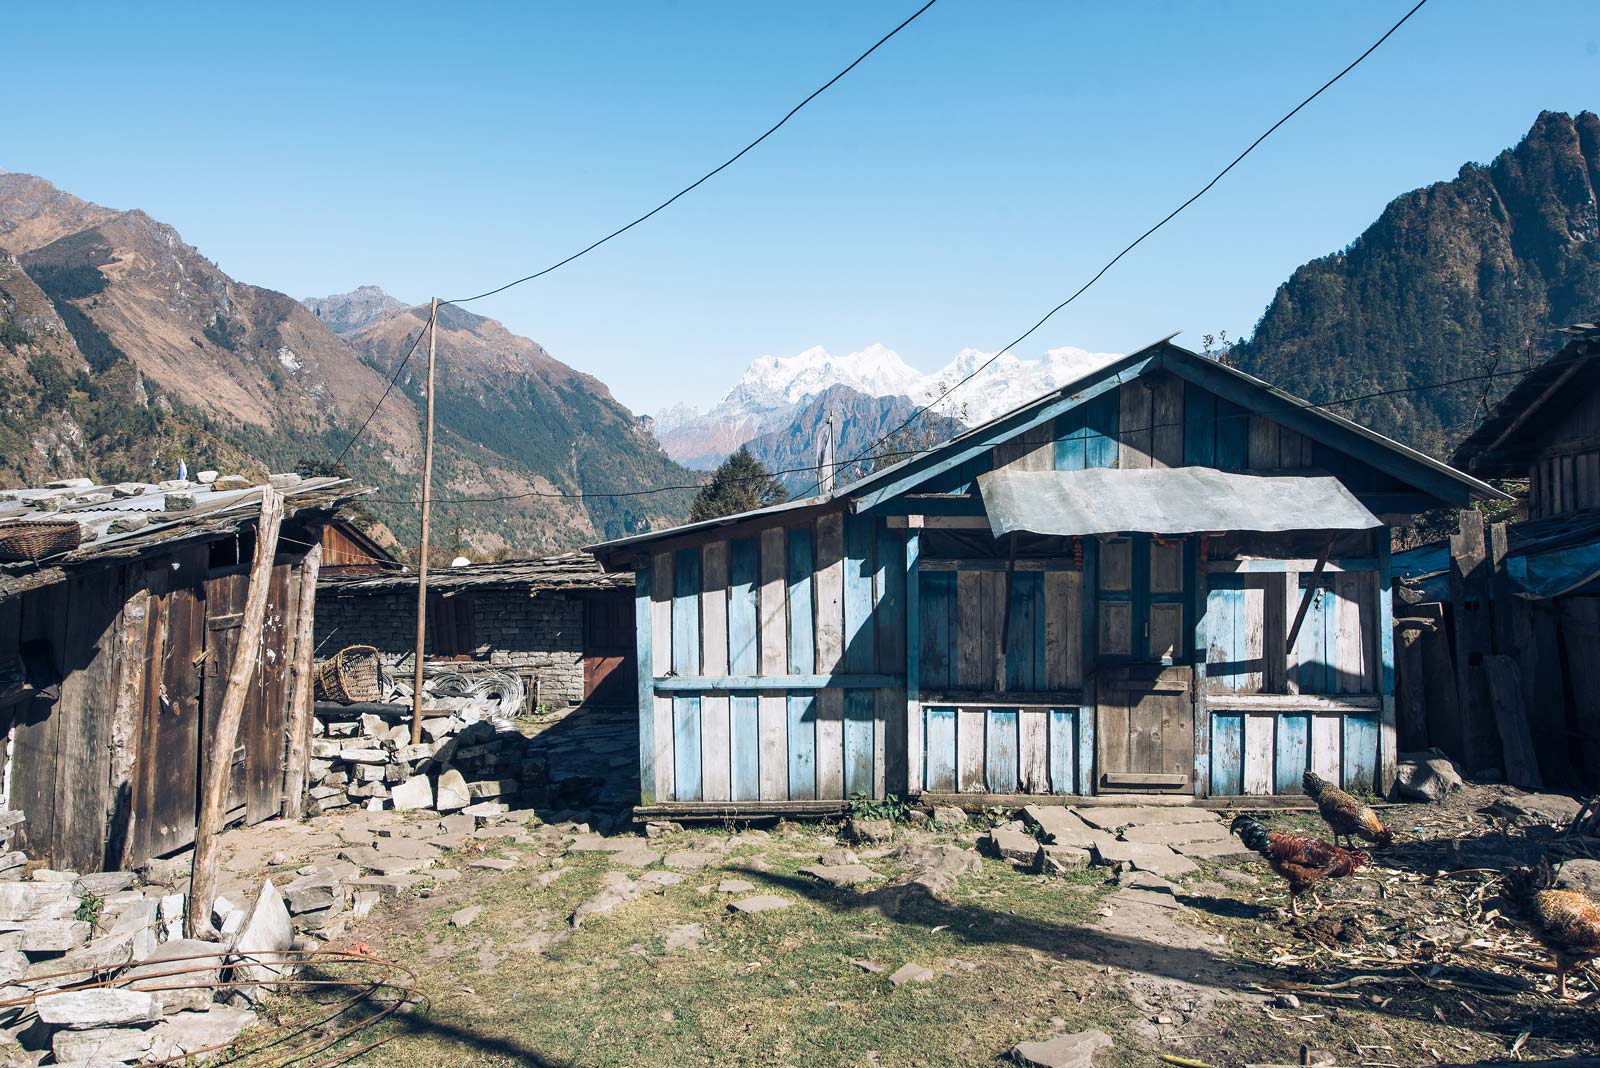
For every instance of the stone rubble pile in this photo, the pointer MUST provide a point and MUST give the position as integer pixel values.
(468, 757)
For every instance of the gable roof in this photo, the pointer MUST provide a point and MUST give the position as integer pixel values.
(1431, 477)
(1507, 440)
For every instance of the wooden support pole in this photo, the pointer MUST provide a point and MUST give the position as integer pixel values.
(422, 550)
(246, 658)
(301, 698)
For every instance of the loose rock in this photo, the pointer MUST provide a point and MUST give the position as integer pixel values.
(1064, 1051)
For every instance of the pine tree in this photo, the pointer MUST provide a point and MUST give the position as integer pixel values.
(738, 485)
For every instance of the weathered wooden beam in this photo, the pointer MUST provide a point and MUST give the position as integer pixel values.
(1007, 699)
(1511, 717)
(1261, 566)
(751, 683)
(214, 790)
(1469, 605)
(1228, 701)
(297, 757)
(1305, 599)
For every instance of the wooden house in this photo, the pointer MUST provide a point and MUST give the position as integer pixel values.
(349, 551)
(1542, 575)
(1166, 577)
(114, 657)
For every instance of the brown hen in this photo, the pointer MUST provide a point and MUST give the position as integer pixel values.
(1344, 814)
(1302, 860)
(1565, 922)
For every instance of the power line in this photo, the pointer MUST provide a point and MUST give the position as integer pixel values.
(1119, 435)
(730, 161)
(362, 429)
(1140, 239)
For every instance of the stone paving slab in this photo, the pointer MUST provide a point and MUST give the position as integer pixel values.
(1110, 819)
(1176, 834)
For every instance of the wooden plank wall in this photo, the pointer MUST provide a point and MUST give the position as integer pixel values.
(822, 597)
(1261, 753)
(1029, 749)
(1336, 651)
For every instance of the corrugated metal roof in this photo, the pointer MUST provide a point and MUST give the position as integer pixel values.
(1173, 500)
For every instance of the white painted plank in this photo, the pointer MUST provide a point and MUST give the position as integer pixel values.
(716, 759)
(661, 581)
(774, 613)
(714, 608)
(830, 594)
(1258, 748)
(1255, 622)
(970, 750)
(661, 720)
(1326, 756)
(830, 744)
(772, 724)
(1350, 658)
(1033, 751)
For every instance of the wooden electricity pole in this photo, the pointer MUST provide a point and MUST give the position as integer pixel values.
(422, 552)
(218, 769)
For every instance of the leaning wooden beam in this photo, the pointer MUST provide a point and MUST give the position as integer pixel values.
(214, 788)
(1511, 719)
(1305, 598)
(301, 697)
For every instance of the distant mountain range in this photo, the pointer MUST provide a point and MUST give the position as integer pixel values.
(1460, 278)
(773, 407)
(124, 351)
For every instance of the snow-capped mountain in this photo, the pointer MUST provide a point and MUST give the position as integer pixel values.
(770, 394)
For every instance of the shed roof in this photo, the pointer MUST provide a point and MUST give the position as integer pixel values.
(129, 519)
(571, 571)
(1504, 443)
(1172, 500)
(1439, 480)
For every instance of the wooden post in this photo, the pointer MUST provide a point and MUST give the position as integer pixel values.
(246, 658)
(422, 551)
(301, 698)
(1469, 597)
(1516, 741)
(1413, 693)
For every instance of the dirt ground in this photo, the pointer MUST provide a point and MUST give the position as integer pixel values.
(1409, 964)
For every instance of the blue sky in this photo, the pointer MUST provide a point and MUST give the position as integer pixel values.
(955, 186)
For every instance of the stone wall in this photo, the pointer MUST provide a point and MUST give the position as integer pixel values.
(539, 635)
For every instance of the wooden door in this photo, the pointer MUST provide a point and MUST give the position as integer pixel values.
(1145, 727)
(608, 672)
(224, 619)
(166, 777)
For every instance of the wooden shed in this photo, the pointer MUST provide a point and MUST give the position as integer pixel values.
(114, 657)
(1166, 577)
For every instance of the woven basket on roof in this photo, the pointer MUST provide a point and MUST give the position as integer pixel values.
(33, 542)
(350, 675)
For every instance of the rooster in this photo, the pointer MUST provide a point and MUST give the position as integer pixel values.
(1565, 922)
(1344, 814)
(1299, 858)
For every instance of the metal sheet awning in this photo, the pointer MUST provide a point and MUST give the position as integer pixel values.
(1175, 500)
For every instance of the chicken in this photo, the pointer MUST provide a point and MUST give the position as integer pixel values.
(1565, 922)
(1345, 814)
(1299, 858)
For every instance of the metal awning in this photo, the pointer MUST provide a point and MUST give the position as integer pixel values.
(1175, 500)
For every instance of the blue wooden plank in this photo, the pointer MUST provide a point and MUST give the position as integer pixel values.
(1041, 679)
(1232, 436)
(686, 748)
(859, 645)
(1223, 601)
(914, 610)
(1227, 755)
(1085, 756)
(890, 610)
(937, 610)
(859, 738)
(744, 747)
(1101, 416)
(686, 612)
(743, 629)
(1293, 754)
(1199, 428)
(1385, 617)
(646, 692)
(802, 746)
(1312, 644)
(939, 734)
(1026, 591)
(802, 636)
(1063, 743)
(1360, 750)
(746, 683)
(1000, 770)
(1070, 434)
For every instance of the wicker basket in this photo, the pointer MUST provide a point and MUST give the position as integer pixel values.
(31, 541)
(350, 675)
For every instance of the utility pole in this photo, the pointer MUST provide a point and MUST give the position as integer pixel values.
(422, 552)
